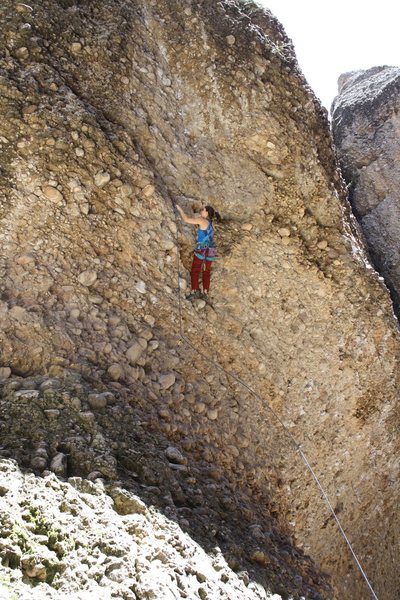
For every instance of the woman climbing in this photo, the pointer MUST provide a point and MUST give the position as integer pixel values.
(204, 252)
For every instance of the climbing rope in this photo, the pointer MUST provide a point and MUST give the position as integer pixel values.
(290, 437)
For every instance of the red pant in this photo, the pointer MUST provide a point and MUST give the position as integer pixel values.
(197, 264)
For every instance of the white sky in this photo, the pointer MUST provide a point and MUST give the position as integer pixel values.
(335, 36)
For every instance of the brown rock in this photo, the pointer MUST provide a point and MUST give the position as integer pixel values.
(134, 352)
(23, 8)
(5, 373)
(115, 371)
(52, 194)
(87, 278)
(22, 52)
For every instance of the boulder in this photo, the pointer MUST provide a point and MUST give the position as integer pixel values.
(366, 130)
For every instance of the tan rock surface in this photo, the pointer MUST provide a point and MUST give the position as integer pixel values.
(160, 100)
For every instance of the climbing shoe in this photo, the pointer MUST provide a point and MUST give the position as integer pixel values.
(195, 295)
(204, 296)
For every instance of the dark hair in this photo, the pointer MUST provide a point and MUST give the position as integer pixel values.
(213, 214)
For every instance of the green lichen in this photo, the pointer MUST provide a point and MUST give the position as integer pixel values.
(20, 537)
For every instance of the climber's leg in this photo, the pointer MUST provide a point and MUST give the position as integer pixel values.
(195, 273)
(207, 276)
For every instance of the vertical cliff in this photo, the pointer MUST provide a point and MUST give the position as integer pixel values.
(365, 126)
(109, 113)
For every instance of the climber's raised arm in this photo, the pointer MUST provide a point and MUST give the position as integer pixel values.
(201, 221)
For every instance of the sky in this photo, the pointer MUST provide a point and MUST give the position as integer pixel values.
(334, 37)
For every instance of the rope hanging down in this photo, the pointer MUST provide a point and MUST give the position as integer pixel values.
(290, 437)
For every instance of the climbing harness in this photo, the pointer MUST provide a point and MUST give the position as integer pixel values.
(290, 437)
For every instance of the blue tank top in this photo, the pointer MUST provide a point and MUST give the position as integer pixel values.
(205, 237)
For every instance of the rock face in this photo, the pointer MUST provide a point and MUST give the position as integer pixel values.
(80, 539)
(62, 427)
(366, 129)
(109, 112)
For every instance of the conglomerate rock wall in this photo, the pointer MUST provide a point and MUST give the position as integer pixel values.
(110, 112)
(366, 130)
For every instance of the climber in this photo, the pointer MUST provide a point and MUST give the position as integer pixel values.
(204, 252)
